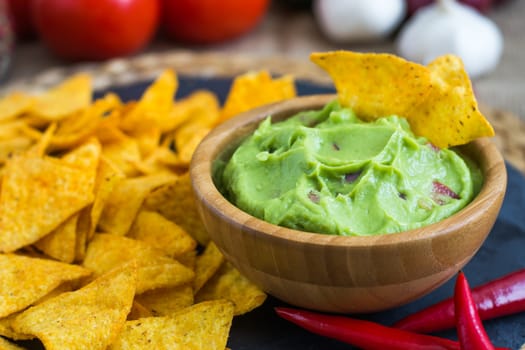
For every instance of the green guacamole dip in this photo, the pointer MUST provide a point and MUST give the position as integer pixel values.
(327, 171)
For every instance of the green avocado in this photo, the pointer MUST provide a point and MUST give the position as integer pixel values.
(326, 171)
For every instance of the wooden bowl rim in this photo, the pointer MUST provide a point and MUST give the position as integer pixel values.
(491, 193)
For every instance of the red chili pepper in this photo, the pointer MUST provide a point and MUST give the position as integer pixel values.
(471, 333)
(501, 297)
(364, 334)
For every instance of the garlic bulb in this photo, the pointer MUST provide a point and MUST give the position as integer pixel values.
(448, 27)
(358, 20)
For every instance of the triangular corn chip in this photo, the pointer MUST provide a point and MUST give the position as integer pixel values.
(255, 89)
(69, 97)
(38, 194)
(25, 280)
(126, 199)
(203, 326)
(437, 100)
(89, 318)
(161, 233)
(228, 283)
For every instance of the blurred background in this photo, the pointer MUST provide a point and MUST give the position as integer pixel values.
(38, 35)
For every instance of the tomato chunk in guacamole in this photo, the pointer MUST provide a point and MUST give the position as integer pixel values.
(327, 171)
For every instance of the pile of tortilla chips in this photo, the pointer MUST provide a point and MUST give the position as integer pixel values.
(101, 245)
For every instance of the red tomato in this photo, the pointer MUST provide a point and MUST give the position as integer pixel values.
(95, 29)
(210, 21)
(20, 15)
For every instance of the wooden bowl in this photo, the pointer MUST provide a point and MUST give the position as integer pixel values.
(336, 273)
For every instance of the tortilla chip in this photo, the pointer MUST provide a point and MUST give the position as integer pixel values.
(14, 105)
(228, 283)
(450, 116)
(126, 199)
(201, 107)
(60, 244)
(75, 129)
(255, 89)
(89, 318)
(187, 141)
(206, 265)
(162, 273)
(138, 311)
(375, 85)
(154, 269)
(438, 100)
(107, 178)
(107, 251)
(70, 96)
(39, 149)
(176, 202)
(203, 326)
(38, 194)
(154, 105)
(13, 147)
(6, 329)
(166, 301)
(123, 154)
(161, 233)
(25, 280)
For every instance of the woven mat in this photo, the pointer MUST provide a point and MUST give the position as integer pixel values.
(510, 130)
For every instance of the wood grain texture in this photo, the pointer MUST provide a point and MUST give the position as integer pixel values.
(335, 273)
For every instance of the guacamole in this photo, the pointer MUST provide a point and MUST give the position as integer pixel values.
(327, 171)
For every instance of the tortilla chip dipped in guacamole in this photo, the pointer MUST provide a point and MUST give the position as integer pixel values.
(374, 161)
(437, 100)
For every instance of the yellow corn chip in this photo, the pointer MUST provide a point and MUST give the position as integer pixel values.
(162, 273)
(39, 149)
(25, 280)
(38, 194)
(255, 89)
(75, 129)
(201, 107)
(437, 100)
(176, 202)
(166, 301)
(89, 318)
(106, 251)
(126, 199)
(106, 179)
(161, 233)
(188, 259)
(228, 283)
(60, 244)
(147, 140)
(204, 326)
(138, 311)
(69, 97)
(375, 85)
(124, 154)
(450, 116)
(14, 104)
(12, 147)
(187, 140)
(6, 329)
(154, 269)
(206, 265)
(154, 105)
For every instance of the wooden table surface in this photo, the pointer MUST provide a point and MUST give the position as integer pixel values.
(294, 34)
